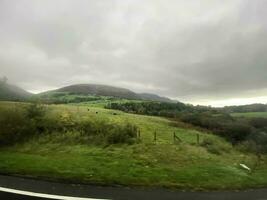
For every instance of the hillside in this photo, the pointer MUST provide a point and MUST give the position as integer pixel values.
(105, 90)
(10, 92)
(154, 97)
(85, 153)
(256, 107)
(99, 90)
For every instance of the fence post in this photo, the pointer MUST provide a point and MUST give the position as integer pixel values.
(176, 138)
(139, 134)
(155, 136)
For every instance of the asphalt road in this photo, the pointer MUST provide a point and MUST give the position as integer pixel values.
(10, 196)
(117, 193)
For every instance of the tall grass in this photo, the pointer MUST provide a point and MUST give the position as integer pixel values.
(15, 126)
(20, 124)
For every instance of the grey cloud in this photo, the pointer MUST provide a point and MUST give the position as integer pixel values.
(188, 50)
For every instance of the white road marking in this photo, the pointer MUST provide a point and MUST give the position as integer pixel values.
(47, 196)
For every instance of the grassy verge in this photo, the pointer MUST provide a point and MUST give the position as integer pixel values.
(162, 165)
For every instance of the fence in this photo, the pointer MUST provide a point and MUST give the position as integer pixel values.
(175, 138)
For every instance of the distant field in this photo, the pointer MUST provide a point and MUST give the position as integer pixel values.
(101, 103)
(147, 163)
(250, 114)
(81, 99)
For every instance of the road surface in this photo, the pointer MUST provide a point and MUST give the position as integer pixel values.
(14, 188)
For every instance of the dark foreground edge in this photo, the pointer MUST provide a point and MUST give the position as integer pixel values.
(74, 191)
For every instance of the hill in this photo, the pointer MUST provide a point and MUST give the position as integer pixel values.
(154, 97)
(105, 90)
(10, 92)
(99, 90)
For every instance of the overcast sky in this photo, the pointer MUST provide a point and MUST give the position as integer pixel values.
(211, 52)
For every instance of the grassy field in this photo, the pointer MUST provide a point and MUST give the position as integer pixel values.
(250, 114)
(163, 163)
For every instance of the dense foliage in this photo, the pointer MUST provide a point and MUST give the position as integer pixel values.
(231, 128)
(19, 125)
(169, 109)
(253, 131)
(15, 126)
(250, 131)
(246, 108)
(158, 108)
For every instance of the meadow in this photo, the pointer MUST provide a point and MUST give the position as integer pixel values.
(250, 114)
(210, 164)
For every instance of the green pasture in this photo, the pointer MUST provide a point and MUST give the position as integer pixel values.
(162, 163)
(250, 114)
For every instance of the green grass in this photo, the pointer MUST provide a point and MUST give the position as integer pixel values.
(184, 165)
(147, 124)
(250, 114)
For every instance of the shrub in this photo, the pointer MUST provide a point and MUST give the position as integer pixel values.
(18, 126)
(259, 122)
(103, 132)
(214, 146)
(257, 142)
(35, 111)
(122, 134)
(236, 132)
(14, 126)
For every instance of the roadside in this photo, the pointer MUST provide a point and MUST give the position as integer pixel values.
(122, 193)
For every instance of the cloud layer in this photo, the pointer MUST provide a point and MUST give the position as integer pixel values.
(195, 51)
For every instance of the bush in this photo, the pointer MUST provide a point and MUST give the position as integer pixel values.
(214, 146)
(35, 111)
(122, 134)
(14, 126)
(259, 123)
(257, 142)
(103, 132)
(236, 132)
(20, 125)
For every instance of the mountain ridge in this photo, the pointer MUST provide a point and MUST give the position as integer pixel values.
(107, 90)
(11, 92)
